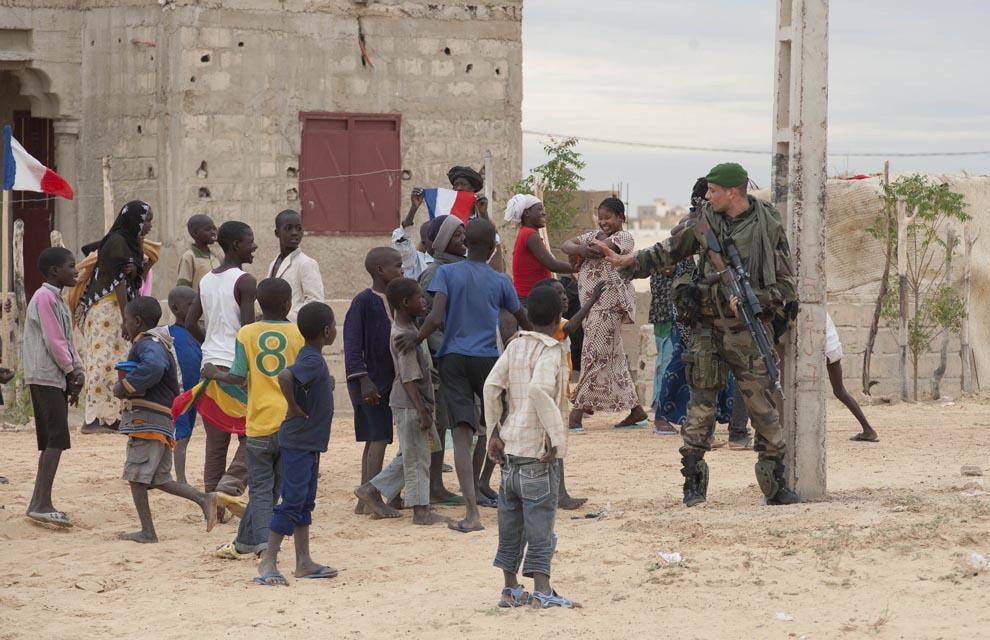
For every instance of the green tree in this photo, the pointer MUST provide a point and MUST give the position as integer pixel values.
(933, 305)
(559, 179)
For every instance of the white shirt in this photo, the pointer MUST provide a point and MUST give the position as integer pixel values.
(533, 371)
(303, 275)
(222, 314)
(414, 262)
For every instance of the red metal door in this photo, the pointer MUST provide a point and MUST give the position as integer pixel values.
(349, 173)
(37, 210)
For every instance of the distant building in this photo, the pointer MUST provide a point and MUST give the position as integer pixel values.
(657, 216)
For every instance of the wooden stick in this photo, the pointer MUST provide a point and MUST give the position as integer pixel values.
(884, 283)
(902, 325)
(966, 375)
(489, 179)
(5, 286)
(950, 245)
(108, 216)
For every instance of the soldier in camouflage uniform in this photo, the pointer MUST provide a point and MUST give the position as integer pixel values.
(722, 343)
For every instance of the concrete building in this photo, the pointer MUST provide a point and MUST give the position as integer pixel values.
(336, 108)
(657, 216)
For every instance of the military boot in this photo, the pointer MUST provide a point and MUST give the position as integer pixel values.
(770, 476)
(695, 472)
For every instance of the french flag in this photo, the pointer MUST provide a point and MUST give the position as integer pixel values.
(442, 202)
(22, 172)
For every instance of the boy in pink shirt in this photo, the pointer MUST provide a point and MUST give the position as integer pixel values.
(54, 374)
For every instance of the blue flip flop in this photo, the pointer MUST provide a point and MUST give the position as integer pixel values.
(635, 425)
(485, 501)
(322, 571)
(271, 579)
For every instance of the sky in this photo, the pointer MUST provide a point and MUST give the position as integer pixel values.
(904, 76)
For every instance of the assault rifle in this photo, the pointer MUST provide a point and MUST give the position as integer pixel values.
(734, 280)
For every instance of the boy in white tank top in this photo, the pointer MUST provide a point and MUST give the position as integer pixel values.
(226, 303)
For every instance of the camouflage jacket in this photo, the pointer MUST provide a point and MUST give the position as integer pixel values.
(758, 234)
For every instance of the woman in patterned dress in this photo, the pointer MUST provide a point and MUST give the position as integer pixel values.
(115, 279)
(605, 383)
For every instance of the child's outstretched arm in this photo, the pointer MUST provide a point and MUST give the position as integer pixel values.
(286, 382)
(575, 322)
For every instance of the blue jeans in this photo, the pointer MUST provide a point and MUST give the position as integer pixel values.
(527, 507)
(300, 475)
(264, 479)
(665, 350)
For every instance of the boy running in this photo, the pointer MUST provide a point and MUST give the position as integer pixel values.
(148, 389)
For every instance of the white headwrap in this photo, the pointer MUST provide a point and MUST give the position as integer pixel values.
(516, 205)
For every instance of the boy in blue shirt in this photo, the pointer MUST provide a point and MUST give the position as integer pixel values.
(467, 299)
(308, 389)
(148, 391)
(190, 357)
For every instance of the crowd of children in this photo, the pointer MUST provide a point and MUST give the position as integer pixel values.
(265, 382)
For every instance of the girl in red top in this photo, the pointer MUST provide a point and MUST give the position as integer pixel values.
(531, 259)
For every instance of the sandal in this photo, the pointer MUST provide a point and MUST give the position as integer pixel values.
(576, 428)
(485, 501)
(228, 551)
(271, 579)
(55, 518)
(518, 597)
(543, 601)
(631, 425)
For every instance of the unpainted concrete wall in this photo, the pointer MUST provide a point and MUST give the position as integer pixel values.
(161, 90)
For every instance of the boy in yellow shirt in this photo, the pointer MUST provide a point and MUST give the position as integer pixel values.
(264, 348)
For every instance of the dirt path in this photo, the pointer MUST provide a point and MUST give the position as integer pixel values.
(883, 557)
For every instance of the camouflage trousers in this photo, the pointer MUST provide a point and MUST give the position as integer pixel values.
(716, 350)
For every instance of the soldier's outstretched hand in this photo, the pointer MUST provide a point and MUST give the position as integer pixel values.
(608, 254)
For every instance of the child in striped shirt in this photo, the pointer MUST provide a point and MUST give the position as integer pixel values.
(148, 390)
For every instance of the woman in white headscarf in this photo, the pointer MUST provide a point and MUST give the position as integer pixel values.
(531, 259)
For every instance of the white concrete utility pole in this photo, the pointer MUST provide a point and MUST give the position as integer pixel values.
(800, 124)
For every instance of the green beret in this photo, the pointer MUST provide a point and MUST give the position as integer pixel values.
(728, 174)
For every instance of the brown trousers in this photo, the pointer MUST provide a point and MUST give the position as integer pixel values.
(217, 476)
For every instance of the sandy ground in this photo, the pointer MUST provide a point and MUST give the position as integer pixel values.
(883, 556)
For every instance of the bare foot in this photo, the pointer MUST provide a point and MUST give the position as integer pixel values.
(488, 493)
(360, 509)
(138, 536)
(211, 511)
(569, 504)
(866, 436)
(372, 500)
(396, 503)
(423, 516)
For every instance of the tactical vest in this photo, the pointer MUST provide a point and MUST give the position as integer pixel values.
(757, 254)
